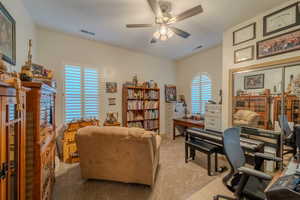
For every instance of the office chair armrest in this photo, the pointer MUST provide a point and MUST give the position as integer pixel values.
(267, 157)
(255, 173)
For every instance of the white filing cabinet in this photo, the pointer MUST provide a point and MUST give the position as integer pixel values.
(213, 117)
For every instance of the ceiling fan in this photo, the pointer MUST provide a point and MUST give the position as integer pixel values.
(164, 19)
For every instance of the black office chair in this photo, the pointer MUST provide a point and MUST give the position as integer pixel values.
(246, 183)
(289, 136)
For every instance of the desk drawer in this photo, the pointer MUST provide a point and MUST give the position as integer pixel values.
(213, 107)
(213, 115)
(213, 112)
(213, 124)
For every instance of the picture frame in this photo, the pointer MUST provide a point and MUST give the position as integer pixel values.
(111, 87)
(8, 36)
(282, 19)
(244, 34)
(170, 93)
(244, 54)
(111, 101)
(280, 44)
(256, 81)
(37, 70)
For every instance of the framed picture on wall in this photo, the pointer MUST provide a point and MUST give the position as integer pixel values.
(282, 19)
(254, 82)
(280, 44)
(170, 93)
(244, 54)
(244, 34)
(111, 87)
(111, 101)
(7, 36)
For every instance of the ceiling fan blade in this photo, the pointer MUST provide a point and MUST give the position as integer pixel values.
(153, 40)
(189, 13)
(180, 32)
(138, 25)
(155, 7)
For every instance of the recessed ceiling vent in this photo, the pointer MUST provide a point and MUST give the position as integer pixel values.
(87, 32)
(198, 47)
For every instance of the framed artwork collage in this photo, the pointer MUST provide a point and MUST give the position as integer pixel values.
(274, 42)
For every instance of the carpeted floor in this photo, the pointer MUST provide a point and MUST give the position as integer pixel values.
(175, 180)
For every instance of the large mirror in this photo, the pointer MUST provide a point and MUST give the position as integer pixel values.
(254, 93)
(266, 104)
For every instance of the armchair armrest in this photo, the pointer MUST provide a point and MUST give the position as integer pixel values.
(255, 173)
(267, 157)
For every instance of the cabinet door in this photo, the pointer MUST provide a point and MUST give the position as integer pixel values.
(10, 148)
(3, 151)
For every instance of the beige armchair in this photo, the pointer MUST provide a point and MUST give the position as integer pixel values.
(129, 155)
(245, 118)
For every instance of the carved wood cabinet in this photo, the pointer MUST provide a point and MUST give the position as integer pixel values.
(12, 144)
(40, 141)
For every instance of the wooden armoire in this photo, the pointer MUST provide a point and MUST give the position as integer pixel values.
(40, 141)
(12, 143)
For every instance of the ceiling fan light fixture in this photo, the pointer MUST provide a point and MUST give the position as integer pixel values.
(163, 30)
(170, 33)
(156, 35)
(163, 37)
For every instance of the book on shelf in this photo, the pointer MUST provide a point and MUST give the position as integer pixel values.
(151, 114)
(135, 105)
(151, 124)
(152, 94)
(134, 116)
(151, 104)
(135, 94)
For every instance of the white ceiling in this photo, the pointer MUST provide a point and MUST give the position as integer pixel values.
(107, 18)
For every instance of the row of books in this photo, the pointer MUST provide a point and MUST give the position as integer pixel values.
(135, 94)
(152, 94)
(135, 124)
(151, 114)
(151, 124)
(134, 116)
(135, 105)
(151, 104)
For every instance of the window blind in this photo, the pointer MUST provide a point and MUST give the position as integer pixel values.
(91, 95)
(81, 93)
(201, 93)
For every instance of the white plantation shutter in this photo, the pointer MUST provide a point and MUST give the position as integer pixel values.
(201, 93)
(91, 93)
(73, 106)
(81, 93)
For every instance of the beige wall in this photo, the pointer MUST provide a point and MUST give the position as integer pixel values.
(208, 61)
(228, 52)
(57, 49)
(25, 29)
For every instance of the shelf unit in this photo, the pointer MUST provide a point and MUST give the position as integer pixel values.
(141, 107)
(292, 108)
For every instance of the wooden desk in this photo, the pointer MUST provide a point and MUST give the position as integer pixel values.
(186, 123)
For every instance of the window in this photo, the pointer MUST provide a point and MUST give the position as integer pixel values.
(201, 93)
(81, 93)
